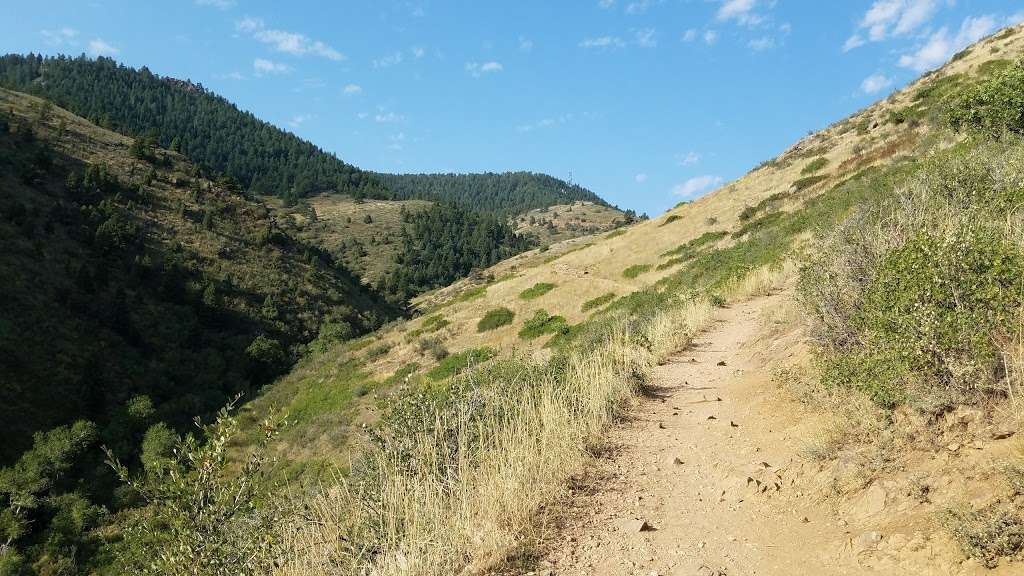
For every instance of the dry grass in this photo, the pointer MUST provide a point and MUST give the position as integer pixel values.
(433, 517)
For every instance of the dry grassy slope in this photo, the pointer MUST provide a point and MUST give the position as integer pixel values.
(338, 224)
(566, 221)
(587, 267)
(592, 266)
(228, 249)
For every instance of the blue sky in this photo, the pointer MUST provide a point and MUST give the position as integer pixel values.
(646, 102)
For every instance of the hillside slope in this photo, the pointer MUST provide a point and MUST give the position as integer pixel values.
(538, 307)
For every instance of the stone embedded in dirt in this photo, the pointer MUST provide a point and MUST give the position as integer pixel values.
(871, 502)
(868, 540)
(953, 447)
(677, 460)
(1002, 432)
(721, 362)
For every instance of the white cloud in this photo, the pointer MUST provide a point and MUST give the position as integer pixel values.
(875, 83)
(688, 159)
(603, 42)
(389, 60)
(264, 66)
(218, 4)
(387, 117)
(644, 38)
(352, 89)
(696, 186)
(761, 44)
(545, 123)
(690, 35)
(889, 18)
(99, 47)
(525, 44)
(710, 37)
(299, 120)
(605, 4)
(417, 52)
(231, 76)
(640, 178)
(477, 69)
(287, 42)
(940, 46)
(742, 11)
(397, 142)
(852, 42)
(638, 7)
(60, 36)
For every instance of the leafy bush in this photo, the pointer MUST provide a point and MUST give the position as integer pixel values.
(543, 323)
(457, 363)
(536, 291)
(635, 270)
(815, 165)
(671, 219)
(432, 346)
(495, 318)
(597, 302)
(993, 107)
(805, 183)
(199, 518)
(911, 297)
(988, 533)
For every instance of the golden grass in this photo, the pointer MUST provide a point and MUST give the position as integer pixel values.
(486, 504)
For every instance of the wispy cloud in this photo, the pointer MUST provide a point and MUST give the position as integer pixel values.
(710, 37)
(761, 44)
(389, 60)
(61, 36)
(387, 117)
(643, 38)
(549, 122)
(890, 18)
(941, 45)
(288, 42)
(740, 11)
(477, 69)
(100, 47)
(263, 66)
(218, 4)
(640, 178)
(605, 4)
(688, 159)
(875, 83)
(351, 89)
(525, 44)
(299, 120)
(696, 186)
(397, 142)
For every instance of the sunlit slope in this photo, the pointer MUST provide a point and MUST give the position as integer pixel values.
(703, 244)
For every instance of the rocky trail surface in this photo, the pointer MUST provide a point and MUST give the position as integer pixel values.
(707, 477)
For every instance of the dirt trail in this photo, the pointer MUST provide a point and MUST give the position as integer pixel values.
(707, 479)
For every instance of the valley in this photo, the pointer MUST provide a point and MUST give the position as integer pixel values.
(280, 363)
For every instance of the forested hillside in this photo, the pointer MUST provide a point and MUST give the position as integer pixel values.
(137, 295)
(185, 117)
(506, 194)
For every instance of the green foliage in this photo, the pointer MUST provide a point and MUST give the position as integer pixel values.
(805, 183)
(445, 243)
(495, 319)
(636, 270)
(501, 194)
(208, 129)
(987, 534)
(615, 233)
(594, 303)
(455, 364)
(536, 291)
(697, 243)
(199, 518)
(542, 323)
(814, 165)
(429, 325)
(671, 219)
(991, 108)
(471, 294)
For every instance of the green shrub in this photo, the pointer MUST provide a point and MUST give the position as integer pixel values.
(472, 294)
(636, 270)
(597, 302)
(615, 233)
(987, 534)
(747, 213)
(805, 183)
(993, 107)
(455, 364)
(536, 291)
(671, 219)
(432, 346)
(815, 165)
(495, 319)
(543, 323)
(378, 351)
(429, 325)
